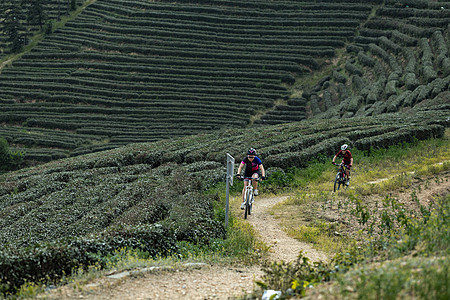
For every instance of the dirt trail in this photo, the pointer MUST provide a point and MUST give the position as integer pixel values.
(199, 281)
(283, 247)
(3, 64)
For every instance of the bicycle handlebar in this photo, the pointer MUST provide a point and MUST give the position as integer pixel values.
(250, 178)
(341, 164)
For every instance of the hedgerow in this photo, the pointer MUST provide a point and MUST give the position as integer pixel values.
(50, 261)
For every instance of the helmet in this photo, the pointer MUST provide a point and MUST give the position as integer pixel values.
(252, 151)
(344, 147)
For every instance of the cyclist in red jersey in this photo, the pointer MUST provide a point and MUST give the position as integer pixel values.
(347, 160)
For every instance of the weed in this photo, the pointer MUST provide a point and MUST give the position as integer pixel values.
(419, 278)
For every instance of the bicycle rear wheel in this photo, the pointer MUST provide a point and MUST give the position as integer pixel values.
(337, 182)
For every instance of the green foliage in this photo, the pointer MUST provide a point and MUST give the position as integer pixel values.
(278, 179)
(293, 278)
(49, 27)
(421, 278)
(393, 233)
(9, 160)
(73, 5)
(36, 14)
(12, 27)
(53, 260)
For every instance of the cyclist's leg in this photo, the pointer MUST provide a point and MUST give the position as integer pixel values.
(243, 194)
(243, 190)
(255, 183)
(348, 172)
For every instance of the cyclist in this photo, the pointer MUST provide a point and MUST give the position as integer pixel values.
(347, 160)
(253, 168)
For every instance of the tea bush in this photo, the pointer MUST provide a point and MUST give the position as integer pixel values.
(51, 261)
(9, 159)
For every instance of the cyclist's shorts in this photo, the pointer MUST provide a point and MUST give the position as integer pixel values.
(347, 164)
(251, 175)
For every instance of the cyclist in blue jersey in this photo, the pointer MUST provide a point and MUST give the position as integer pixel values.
(253, 168)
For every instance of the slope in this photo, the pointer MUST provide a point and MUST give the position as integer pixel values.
(140, 71)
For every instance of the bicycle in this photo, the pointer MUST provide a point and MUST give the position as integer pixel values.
(341, 177)
(249, 196)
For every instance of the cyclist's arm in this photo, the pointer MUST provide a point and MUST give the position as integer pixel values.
(334, 158)
(351, 161)
(263, 172)
(240, 167)
(337, 154)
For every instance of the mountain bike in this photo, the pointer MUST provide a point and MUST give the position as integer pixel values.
(249, 196)
(341, 177)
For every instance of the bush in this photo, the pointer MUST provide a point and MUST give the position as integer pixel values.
(51, 261)
(9, 160)
(402, 135)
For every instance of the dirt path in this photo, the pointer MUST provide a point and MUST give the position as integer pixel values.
(283, 247)
(203, 282)
(3, 64)
(197, 281)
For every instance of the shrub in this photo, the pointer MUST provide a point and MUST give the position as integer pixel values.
(402, 135)
(9, 160)
(411, 82)
(51, 261)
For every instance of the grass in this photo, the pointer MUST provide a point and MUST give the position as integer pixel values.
(302, 214)
(405, 278)
(390, 250)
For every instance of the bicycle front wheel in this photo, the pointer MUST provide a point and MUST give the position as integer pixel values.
(247, 205)
(337, 182)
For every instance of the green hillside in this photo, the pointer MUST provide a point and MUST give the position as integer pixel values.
(139, 71)
(134, 104)
(399, 58)
(150, 196)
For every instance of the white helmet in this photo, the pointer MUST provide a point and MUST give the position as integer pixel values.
(344, 147)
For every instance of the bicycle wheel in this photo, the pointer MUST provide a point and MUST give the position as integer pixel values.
(250, 203)
(337, 182)
(247, 204)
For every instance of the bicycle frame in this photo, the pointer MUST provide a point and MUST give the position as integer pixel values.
(340, 177)
(249, 196)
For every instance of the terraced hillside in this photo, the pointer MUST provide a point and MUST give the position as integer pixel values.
(31, 16)
(399, 59)
(74, 211)
(137, 70)
(110, 184)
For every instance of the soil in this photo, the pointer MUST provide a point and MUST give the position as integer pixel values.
(203, 281)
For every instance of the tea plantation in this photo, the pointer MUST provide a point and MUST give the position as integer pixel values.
(399, 58)
(69, 213)
(134, 104)
(139, 71)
